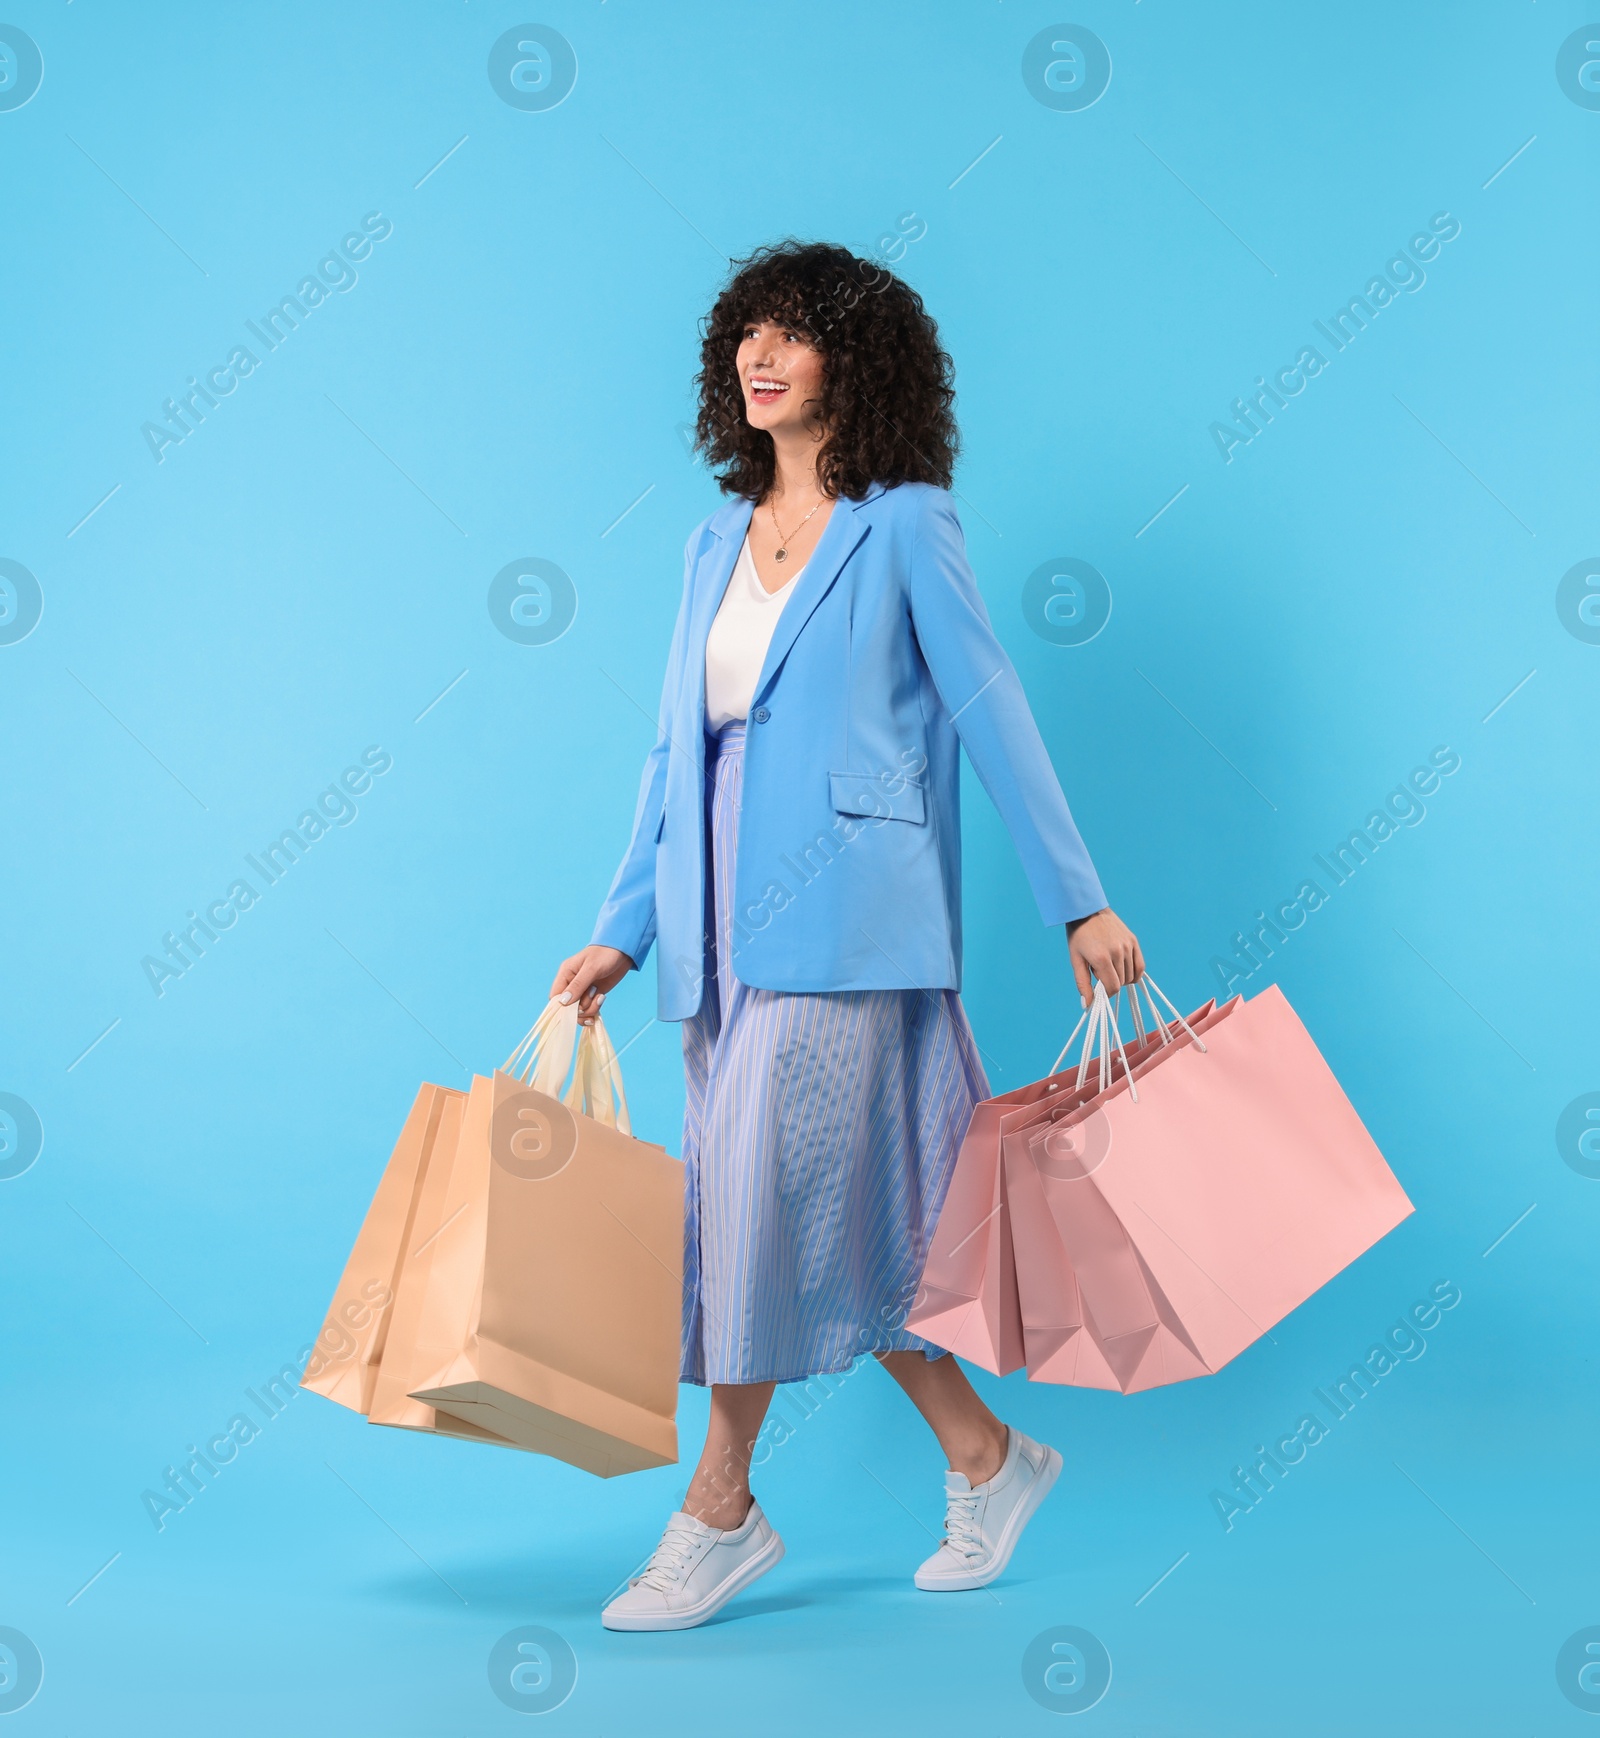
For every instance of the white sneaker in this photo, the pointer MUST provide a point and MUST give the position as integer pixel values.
(982, 1524)
(694, 1572)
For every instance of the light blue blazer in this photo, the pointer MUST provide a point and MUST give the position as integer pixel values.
(882, 666)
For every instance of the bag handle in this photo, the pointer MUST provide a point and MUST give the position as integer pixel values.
(1104, 1030)
(1111, 1032)
(1055, 1066)
(1091, 1038)
(556, 1044)
(1158, 1023)
(604, 1097)
(1151, 984)
(1094, 1014)
(545, 1054)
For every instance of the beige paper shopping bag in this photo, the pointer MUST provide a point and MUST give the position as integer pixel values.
(437, 1291)
(518, 1279)
(349, 1349)
(573, 1341)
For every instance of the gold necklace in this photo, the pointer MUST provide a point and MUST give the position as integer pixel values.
(784, 542)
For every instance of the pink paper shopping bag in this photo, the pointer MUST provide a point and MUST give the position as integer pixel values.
(1200, 1203)
(968, 1298)
(967, 1301)
(1062, 1341)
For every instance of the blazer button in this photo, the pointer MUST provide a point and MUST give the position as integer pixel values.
(761, 715)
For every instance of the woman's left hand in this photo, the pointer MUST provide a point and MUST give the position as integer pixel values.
(1102, 946)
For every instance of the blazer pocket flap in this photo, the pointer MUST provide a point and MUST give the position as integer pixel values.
(884, 796)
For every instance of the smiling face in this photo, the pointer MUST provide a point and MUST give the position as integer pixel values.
(781, 372)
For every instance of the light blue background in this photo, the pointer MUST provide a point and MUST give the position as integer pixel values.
(238, 622)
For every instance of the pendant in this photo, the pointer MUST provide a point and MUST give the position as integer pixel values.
(782, 555)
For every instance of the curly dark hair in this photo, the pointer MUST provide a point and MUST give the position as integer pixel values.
(888, 384)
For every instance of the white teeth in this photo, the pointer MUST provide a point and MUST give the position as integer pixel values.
(768, 386)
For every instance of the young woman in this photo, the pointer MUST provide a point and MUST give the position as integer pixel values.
(796, 852)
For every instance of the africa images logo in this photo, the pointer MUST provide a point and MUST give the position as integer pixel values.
(182, 948)
(532, 68)
(1401, 273)
(335, 273)
(21, 68)
(21, 602)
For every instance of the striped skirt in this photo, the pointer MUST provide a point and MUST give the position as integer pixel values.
(820, 1130)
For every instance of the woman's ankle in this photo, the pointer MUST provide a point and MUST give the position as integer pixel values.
(981, 1457)
(724, 1510)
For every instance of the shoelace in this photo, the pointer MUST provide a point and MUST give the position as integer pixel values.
(961, 1530)
(670, 1559)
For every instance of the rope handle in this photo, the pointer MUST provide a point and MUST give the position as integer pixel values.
(606, 1074)
(545, 1054)
(1102, 1018)
(1111, 1033)
(1091, 1038)
(1055, 1066)
(1161, 1026)
(1104, 1031)
(556, 1045)
(1157, 1025)
(1193, 1035)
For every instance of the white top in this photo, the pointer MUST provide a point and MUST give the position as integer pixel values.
(741, 631)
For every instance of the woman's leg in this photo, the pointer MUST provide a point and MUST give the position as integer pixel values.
(719, 1492)
(696, 1570)
(997, 1477)
(973, 1439)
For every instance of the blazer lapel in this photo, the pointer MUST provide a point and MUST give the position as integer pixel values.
(711, 582)
(834, 548)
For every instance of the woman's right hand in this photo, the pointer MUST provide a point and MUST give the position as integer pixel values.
(586, 977)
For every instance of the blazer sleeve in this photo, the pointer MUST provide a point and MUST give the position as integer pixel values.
(981, 690)
(627, 920)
